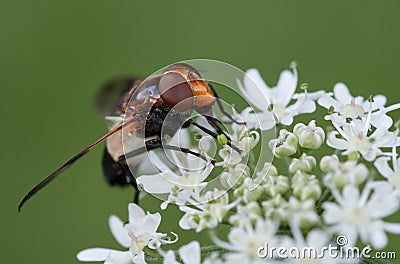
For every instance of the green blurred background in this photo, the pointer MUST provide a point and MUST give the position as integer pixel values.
(54, 55)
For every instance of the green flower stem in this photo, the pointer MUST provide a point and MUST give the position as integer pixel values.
(326, 195)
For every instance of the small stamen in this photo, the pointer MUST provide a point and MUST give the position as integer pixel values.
(368, 121)
(371, 99)
(304, 87)
(394, 153)
(331, 110)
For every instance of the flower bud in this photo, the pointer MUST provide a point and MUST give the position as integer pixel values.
(306, 186)
(311, 136)
(328, 163)
(347, 173)
(304, 211)
(275, 185)
(276, 208)
(304, 164)
(285, 145)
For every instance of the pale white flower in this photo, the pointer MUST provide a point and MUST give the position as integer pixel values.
(206, 211)
(241, 138)
(179, 186)
(355, 138)
(347, 106)
(138, 233)
(274, 103)
(341, 174)
(189, 254)
(358, 214)
(245, 240)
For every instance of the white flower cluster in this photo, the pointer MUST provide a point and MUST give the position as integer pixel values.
(343, 179)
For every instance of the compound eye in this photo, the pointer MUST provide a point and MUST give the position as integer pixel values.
(176, 92)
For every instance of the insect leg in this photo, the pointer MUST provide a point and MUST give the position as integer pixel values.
(214, 124)
(157, 143)
(221, 107)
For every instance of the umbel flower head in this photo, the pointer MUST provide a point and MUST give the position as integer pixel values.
(138, 233)
(320, 183)
(274, 103)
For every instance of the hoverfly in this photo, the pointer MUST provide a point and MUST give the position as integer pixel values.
(144, 105)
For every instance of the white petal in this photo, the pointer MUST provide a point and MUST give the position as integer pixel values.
(332, 213)
(351, 194)
(119, 258)
(139, 258)
(327, 101)
(317, 238)
(286, 120)
(302, 106)
(190, 253)
(184, 222)
(379, 101)
(342, 93)
(169, 258)
(316, 95)
(378, 237)
(152, 222)
(265, 120)
(380, 119)
(155, 183)
(350, 233)
(383, 167)
(255, 89)
(370, 155)
(335, 142)
(118, 231)
(392, 227)
(286, 86)
(158, 162)
(251, 119)
(135, 212)
(96, 254)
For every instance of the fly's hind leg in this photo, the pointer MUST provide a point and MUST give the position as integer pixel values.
(214, 124)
